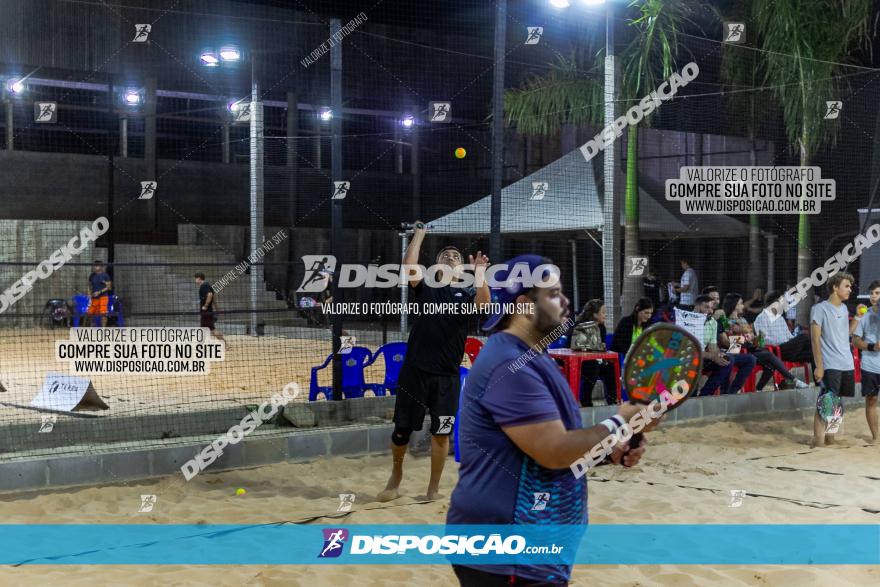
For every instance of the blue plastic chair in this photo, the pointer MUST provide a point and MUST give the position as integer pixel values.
(462, 375)
(115, 307)
(80, 308)
(353, 384)
(559, 343)
(393, 353)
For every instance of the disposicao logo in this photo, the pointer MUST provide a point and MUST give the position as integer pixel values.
(334, 540)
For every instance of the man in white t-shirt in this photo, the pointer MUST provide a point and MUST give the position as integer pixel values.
(829, 333)
(688, 288)
(867, 338)
(795, 348)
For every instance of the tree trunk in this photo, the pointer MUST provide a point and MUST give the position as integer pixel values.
(804, 257)
(754, 276)
(633, 285)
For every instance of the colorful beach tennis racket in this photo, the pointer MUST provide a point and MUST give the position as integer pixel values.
(830, 408)
(663, 357)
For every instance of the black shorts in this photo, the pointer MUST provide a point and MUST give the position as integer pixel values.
(870, 383)
(419, 392)
(207, 320)
(843, 383)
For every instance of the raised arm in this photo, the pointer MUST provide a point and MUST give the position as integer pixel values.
(480, 263)
(411, 257)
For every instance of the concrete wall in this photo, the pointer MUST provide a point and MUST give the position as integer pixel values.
(31, 242)
(133, 461)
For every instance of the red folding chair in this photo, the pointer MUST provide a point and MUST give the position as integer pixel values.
(788, 365)
(857, 361)
(751, 383)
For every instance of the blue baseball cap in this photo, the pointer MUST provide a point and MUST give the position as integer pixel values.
(508, 290)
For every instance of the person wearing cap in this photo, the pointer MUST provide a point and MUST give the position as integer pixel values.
(429, 378)
(100, 289)
(521, 430)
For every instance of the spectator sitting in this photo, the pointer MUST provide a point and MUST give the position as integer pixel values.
(733, 324)
(791, 312)
(715, 363)
(715, 295)
(630, 327)
(592, 371)
(754, 305)
(653, 289)
(793, 348)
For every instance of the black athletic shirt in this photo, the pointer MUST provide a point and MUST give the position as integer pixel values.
(436, 341)
(204, 290)
(652, 291)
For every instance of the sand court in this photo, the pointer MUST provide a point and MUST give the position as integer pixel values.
(254, 369)
(686, 478)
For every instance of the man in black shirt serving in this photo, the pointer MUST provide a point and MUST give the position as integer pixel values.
(207, 303)
(429, 378)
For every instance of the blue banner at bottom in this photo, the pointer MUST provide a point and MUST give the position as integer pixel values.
(686, 544)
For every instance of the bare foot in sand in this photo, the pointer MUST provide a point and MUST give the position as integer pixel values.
(391, 488)
(388, 494)
(815, 444)
(433, 496)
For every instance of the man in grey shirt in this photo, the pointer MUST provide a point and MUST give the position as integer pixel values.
(867, 338)
(829, 333)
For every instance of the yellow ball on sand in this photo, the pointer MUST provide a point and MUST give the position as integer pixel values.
(240, 491)
(460, 153)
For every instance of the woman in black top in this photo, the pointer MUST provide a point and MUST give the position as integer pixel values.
(629, 327)
(592, 371)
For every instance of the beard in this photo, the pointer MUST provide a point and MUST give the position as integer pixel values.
(544, 321)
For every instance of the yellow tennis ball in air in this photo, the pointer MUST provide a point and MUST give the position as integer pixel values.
(460, 153)
(863, 309)
(240, 491)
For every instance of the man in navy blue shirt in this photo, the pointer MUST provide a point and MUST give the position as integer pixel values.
(100, 289)
(521, 430)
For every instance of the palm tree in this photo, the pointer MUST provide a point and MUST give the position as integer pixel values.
(804, 42)
(743, 69)
(568, 95)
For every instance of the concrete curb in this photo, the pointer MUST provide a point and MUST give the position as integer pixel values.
(295, 445)
(104, 430)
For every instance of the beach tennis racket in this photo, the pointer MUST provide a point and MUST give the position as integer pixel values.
(830, 409)
(663, 358)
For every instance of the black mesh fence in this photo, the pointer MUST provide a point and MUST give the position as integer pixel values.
(151, 128)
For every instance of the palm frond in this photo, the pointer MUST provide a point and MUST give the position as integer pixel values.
(564, 95)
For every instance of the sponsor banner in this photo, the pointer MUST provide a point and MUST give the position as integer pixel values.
(709, 544)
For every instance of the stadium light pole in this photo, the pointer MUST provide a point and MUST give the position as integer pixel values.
(257, 190)
(611, 215)
(497, 131)
(611, 207)
(336, 246)
(256, 210)
(11, 88)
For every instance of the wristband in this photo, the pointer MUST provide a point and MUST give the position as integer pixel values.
(614, 423)
(872, 347)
